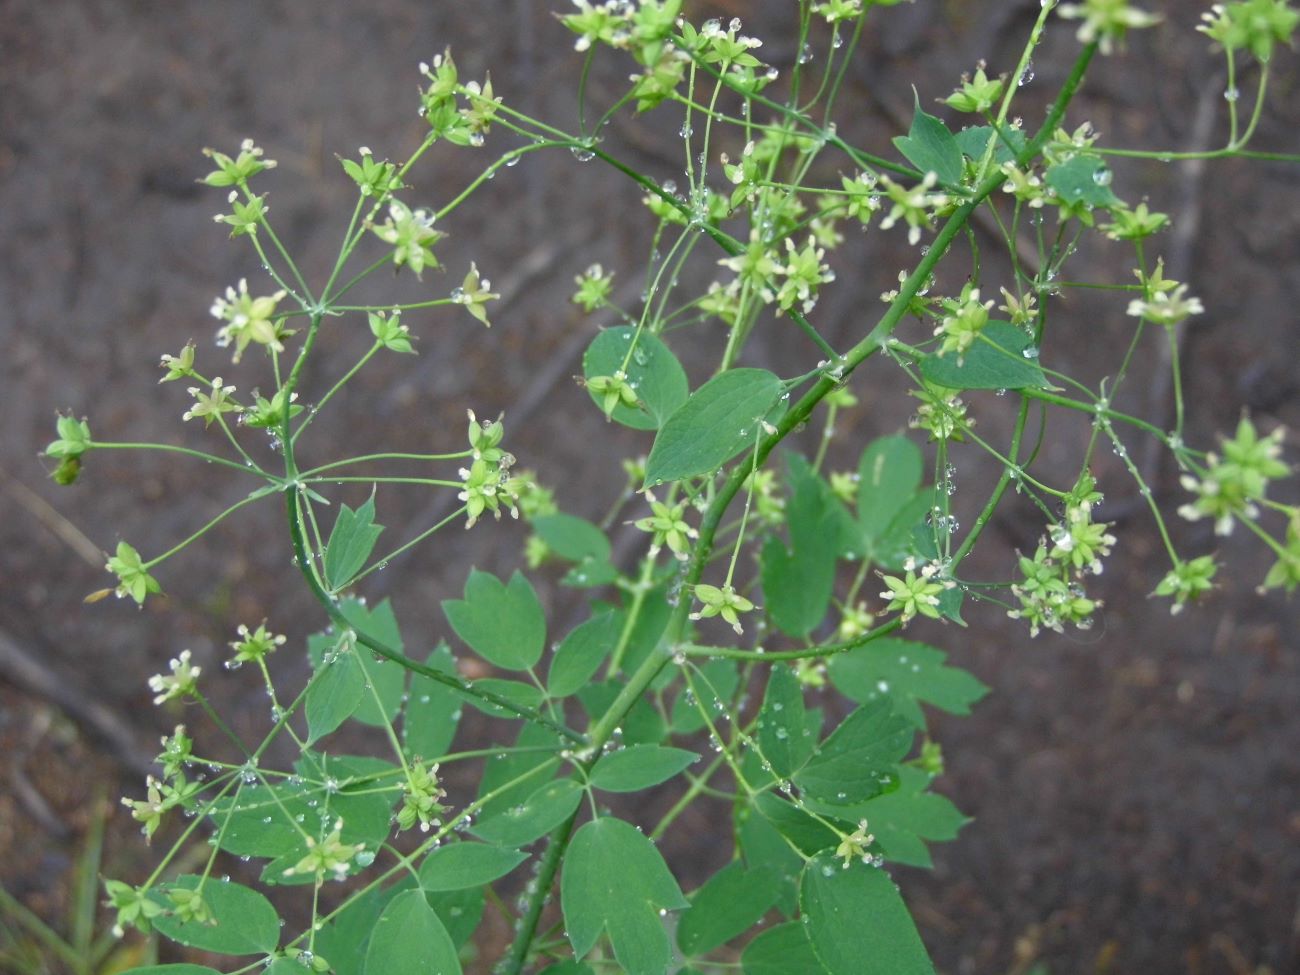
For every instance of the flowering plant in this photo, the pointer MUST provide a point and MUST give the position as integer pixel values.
(770, 554)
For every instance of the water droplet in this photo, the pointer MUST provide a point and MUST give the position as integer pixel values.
(1030, 352)
(582, 155)
(1103, 177)
(1232, 94)
(805, 54)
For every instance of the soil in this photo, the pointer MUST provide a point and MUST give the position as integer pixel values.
(1135, 792)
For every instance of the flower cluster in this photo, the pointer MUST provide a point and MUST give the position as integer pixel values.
(963, 323)
(411, 234)
(72, 442)
(183, 681)
(329, 855)
(668, 526)
(421, 798)
(1253, 25)
(1050, 592)
(724, 602)
(1106, 21)
(915, 593)
(1231, 485)
(486, 484)
(248, 320)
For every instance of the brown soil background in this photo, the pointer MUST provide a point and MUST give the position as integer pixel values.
(1136, 794)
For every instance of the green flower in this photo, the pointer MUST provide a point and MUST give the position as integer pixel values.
(535, 501)
(373, 178)
(978, 94)
(329, 855)
(482, 110)
(420, 798)
(268, 414)
(854, 621)
(755, 266)
(211, 404)
(914, 205)
(412, 236)
(941, 413)
(1251, 24)
(804, 274)
(248, 319)
(914, 594)
(964, 322)
(769, 506)
(178, 366)
(1134, 224)
(724, 602)
(133, 905)
(1231, 486)
(160, 798)
(74, 440)
(390, 332)
(1106, 21)
(669, 527)
(237, 171)
(176, 752)
(245, 215)
(837, 10)
(473, 293)
(1186, 581)
(132, 577)
(853, 846)
(1079, 542)
(189, 907)
(254, 645)
(183, 681)
(612, 391)
(1166, 308)
(1048, 597)
(594, 286)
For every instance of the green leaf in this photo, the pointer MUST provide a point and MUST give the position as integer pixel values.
(516, 692)
(387, 679)
(243, 921)
(455, 866)
(974, 141)
(762, 845)
(410, 939)
(782, 950)
(997, 360)
(715, 688)
(536, 816)
(903, 821)
(568, 968)
(720, 420)
(350, 544)
(642, 725)
(782, 723)
(459, 910)
(732, 902)
(503, 624)
(653, 371)
(857, 921)
(181, 969)
(899, 540)
(808, 835)
(432, 710)
(889, 474)
(930, 147)
(1082, 180)
(797, 584)
(344, 938)
(905, 673)
(505, 782)
(581, 653)
(639, 767)
(858, 759)
(572, 538)
(615, 880)
(335, 694)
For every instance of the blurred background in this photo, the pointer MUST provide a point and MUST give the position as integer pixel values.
(1135, 789)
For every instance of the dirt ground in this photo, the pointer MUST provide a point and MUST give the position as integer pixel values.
(1136, 793)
